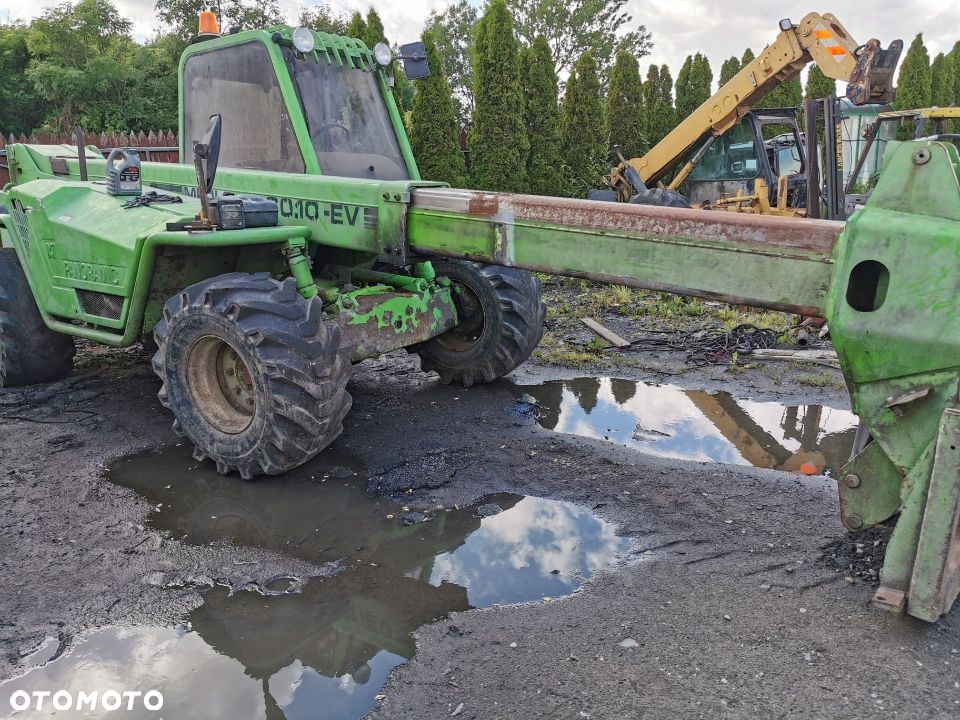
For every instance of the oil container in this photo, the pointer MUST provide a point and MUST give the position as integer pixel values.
(123, 172)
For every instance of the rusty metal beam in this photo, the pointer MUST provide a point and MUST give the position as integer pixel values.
(777, 263)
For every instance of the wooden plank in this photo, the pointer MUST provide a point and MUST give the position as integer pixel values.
(606, 333)
(819, 357)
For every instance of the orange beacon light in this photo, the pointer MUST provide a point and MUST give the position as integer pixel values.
(207, 25)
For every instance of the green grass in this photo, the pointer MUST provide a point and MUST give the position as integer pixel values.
(596, 345)
(820, 380)
(550, 340)
(571, 299)
(779, 322)
(606, 298)
(664, 305)
(577, 283)
(565, 357)
(559, 310)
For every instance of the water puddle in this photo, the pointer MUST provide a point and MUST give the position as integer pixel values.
(669, 421)
(327, 650)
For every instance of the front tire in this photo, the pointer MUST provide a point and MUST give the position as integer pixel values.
(500, 323)
(254, 377)
(661, 197)
(30, 352)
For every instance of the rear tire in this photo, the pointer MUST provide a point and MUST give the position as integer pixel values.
(30, 352)
(661, 197)
(500, 323)
(254, 377)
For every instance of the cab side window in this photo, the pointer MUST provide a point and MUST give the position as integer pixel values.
(239, 82)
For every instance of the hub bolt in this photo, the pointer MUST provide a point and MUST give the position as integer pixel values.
(852, 481)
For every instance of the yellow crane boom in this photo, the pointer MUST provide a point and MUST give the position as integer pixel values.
(867, 70)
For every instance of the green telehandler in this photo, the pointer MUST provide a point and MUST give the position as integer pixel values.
(299, 238)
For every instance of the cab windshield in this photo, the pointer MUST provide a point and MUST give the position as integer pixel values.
(347, 118)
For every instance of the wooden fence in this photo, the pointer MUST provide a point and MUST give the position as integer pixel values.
(153, 146)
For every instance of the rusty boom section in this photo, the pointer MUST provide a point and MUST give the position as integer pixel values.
(776, 263)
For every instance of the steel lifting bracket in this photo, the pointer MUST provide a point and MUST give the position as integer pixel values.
(393, 214)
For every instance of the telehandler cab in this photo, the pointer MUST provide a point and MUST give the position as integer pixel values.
(318, 244)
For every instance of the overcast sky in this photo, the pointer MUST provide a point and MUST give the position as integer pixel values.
(719, 28)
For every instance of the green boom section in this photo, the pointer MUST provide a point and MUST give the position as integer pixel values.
(743, 259)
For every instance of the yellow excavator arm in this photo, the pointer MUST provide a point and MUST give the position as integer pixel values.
(867, 69)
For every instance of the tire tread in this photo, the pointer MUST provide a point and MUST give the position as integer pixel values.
(304, 369)
(661, 197)
(516, 293)
(30, 352)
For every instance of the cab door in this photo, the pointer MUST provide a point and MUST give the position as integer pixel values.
(731, 165)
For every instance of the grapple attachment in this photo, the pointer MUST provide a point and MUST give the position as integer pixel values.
(871, 82)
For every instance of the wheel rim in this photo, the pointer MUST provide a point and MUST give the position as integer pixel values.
(469, 329)
(220, 385)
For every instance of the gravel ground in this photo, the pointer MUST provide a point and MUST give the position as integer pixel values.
(745, 601)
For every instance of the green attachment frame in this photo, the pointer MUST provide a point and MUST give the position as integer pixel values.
(894, 311)
(935, 580)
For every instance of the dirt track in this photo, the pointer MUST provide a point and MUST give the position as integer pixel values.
(734, 611)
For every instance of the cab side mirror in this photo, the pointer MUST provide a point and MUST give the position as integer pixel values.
(206, 153)
(414, 57)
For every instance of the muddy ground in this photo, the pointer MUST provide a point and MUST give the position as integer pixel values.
(736, 608)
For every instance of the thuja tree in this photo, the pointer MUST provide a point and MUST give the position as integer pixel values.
(625, 108)
(498, 141)
(583, 128)
(435, 133)
(542, 119)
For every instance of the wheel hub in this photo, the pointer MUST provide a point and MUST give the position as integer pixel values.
(221, 385)
(471, 321)
(234, 378)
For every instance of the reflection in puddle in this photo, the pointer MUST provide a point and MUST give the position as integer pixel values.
(672, 422)
(538, 548)
(327, 650)
(144, 659)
